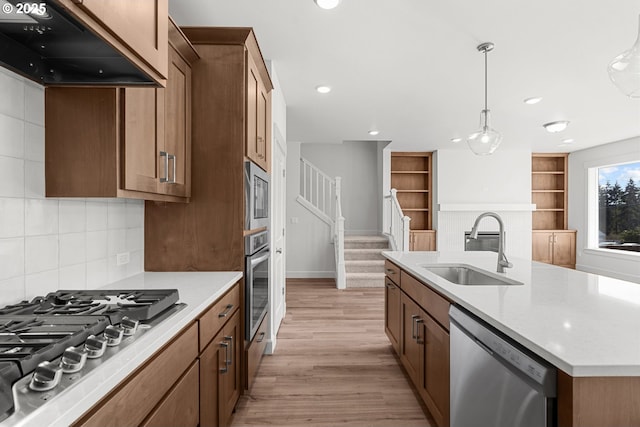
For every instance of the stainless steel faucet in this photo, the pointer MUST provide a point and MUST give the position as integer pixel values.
(502, 258)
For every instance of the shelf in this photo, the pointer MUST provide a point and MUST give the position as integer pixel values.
(415, 210)
(549, 191)
(412, 191)
(411, 177)
(409, 172)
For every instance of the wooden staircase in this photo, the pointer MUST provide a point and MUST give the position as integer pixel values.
(364, 262)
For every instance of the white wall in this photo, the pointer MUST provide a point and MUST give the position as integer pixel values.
(47, 244)
(467, 185)
(357, 163)
(309, 251)
(624, 266)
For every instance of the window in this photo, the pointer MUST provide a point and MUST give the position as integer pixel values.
(619, 207)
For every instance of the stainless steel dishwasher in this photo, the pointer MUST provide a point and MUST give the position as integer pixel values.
(495, 382)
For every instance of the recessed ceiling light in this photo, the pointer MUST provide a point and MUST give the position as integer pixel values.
(373, 132)
(533, 100)
(456, 139)
(323, 89)
(327, 4)
(568, 141)
(554, 127)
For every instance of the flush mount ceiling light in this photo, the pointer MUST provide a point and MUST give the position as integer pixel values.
(624, 70)
(373, 132)
(532, 101)
(555, 127)
(323, 89)
(327, 4)
(485, 140)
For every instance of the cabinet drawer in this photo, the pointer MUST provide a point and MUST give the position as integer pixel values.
(216, 316)
(432, 302)
(133, 401)
(392, 271)
(256, 351)
(180, 407)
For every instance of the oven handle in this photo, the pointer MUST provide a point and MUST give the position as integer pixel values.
(255, 261)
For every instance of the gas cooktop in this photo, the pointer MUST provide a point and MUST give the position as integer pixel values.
(48, 343)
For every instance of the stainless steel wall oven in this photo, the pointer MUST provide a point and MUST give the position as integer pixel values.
(256, 272)
(256, 193)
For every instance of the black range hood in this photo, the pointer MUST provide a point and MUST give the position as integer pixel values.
(50, 47)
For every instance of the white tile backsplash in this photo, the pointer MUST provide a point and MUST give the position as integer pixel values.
(47, 243)
(11, 136)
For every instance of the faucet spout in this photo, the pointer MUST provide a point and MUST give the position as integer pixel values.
(503, 262)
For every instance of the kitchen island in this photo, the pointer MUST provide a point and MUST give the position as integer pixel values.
(584, 324)
(197, 290)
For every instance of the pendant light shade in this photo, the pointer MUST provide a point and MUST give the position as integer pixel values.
(624, 70)
(485, 140)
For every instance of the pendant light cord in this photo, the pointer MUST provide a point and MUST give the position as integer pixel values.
(485, 79)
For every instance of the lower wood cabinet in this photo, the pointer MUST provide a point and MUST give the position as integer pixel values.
(255, 351)
(135, 399)
(220, 375)
(392, 313)
(422, 240)
(421, 339)
(557, 247)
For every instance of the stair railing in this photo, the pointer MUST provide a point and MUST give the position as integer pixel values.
(398, 223)
(321, 194)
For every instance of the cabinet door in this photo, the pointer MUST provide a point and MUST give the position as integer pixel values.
(213, 363)
(436, 370)
(180, 406)
(422, 241)
(392, 313)
(411, 345)
(253, 81)
(177, 129)
(542, 246)
(141, 25)
(564, 249)
(229, 381)
(262, 138)
(140, 139)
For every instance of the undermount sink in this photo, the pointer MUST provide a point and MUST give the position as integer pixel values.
(463, 274)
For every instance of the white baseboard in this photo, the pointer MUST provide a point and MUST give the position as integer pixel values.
(311, 274)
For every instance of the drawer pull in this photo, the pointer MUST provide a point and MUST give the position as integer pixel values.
(390, 286)
(390, 271)
(227, 310)
(262, 334)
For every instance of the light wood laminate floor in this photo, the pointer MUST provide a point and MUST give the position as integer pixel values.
(333, 366)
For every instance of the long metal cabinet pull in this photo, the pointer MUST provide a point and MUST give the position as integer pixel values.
(172, 157)
(229, 356)
(165, 178)
(413, 325)
(226, 351)
(418, 320)
(225, 313)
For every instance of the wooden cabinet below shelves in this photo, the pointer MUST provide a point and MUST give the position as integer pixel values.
(422, 240)
(556, 247)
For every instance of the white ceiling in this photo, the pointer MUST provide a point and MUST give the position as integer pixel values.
(410, 68)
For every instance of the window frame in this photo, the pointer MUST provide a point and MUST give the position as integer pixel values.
(593, 211)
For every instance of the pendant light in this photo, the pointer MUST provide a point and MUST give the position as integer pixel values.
(485, 140)
(624, 70)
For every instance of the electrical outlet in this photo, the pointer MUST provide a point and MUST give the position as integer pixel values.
(122, 259)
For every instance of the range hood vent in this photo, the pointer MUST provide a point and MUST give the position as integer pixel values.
(50, 47)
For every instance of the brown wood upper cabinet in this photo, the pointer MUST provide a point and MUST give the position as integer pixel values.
(123, 142)
(258, 147)
(137, 29)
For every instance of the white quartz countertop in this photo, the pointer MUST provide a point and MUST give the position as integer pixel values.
(196, 289)
(584, 324)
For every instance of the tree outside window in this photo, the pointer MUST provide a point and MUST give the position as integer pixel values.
(619, 207)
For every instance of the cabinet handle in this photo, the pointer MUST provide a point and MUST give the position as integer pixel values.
(172, 157)
(413, 325)
(418, 320)
(224, 370)
(262, 334)
(226, 312)
(229, 356)
(165, 178)
(389, 285)
(390, 271)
